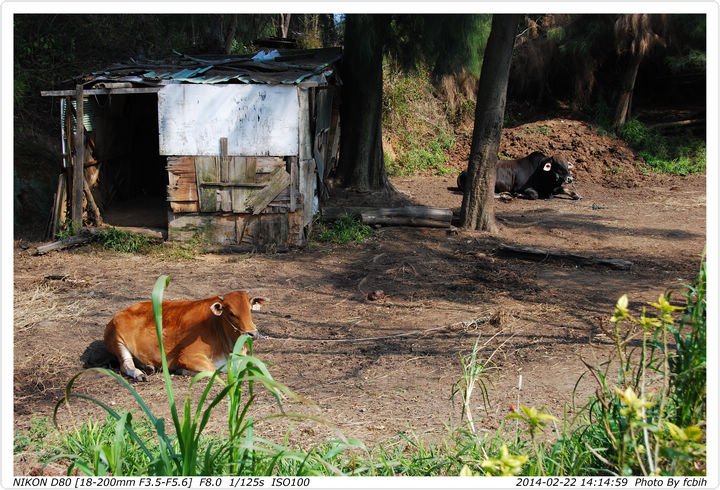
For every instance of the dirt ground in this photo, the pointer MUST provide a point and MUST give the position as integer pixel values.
(377, 368)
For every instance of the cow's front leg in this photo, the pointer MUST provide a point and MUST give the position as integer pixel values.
(571, 194)
(127, 365)
(531, 193)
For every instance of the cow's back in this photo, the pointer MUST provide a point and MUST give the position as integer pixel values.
(513, 175)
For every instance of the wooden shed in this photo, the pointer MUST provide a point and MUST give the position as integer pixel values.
(233, 150)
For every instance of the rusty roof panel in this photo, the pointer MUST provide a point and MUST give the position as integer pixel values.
(289, 67)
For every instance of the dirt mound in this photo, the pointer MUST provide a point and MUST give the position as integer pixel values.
(598, 159)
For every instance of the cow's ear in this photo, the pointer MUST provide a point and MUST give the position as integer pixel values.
(256, 302)
(547, 166)
(570, 165)
(217, 308)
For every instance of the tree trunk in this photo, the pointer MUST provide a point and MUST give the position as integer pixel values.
(478, 207)
(230, 36)
(284, 25)
(361, 164)
(622, 111)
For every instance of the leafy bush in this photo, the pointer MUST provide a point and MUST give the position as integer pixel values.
(680, 156)
(346, 229)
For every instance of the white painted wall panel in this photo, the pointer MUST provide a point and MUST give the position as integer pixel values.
(257, 120)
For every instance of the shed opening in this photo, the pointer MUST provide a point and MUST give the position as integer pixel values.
(124, 168)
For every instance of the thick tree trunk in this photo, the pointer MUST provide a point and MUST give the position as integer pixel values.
(478, 208)
(230, 35)
(361, 162)
(622, 111)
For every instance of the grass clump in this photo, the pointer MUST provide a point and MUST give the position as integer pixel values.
(678, 155)
(417, 134)
(122, 241)
(346, 229)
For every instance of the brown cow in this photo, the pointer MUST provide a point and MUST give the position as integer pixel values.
(197, 335)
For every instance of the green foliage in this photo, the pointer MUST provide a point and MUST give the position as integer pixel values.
(122, 241)
(688, 365)
(419, 159)
(414, 124)
(346, 229)
(450, 43)
(542, 129)
(646, 422)
(679, 156)
(35, 439)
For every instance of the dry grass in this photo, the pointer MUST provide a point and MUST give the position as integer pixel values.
(41, 304)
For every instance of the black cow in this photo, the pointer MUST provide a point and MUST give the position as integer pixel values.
(535, 176)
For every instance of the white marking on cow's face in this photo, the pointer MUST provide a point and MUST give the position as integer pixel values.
(217, 309)
(547, 167)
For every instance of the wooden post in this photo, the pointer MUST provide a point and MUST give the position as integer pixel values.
(292, 162)
(78, 172)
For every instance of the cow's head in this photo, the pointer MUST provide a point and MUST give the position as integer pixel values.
(235, 309)
(558, 170)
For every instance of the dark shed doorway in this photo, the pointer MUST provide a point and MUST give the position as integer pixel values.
(130, 180)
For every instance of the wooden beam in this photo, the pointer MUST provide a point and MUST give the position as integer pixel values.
(92, 206)
(78, 163)
(279, 180)
(293, 163)
(102, 91)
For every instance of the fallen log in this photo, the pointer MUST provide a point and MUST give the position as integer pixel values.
(541, 254)
(408, 216)
(73, 241)
(330, 214)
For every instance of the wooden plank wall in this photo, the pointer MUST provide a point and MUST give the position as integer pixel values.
(263, 221)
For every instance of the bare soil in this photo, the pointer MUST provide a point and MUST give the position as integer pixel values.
(373, 369)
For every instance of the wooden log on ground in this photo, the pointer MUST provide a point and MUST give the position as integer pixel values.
(73, 241)
(541, 254)
(678, 124)
(408, 216)
(329, 214)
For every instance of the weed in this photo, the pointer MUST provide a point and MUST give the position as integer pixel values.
(122, 241)
(680, 155)
(647, 422)
(415, 123)
(544, 130)
(346, 229)
(613, 170)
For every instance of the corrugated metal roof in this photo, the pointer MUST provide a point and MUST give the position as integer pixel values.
(289, 67)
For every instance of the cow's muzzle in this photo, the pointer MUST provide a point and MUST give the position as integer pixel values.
(569, 179)
(253, 335)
